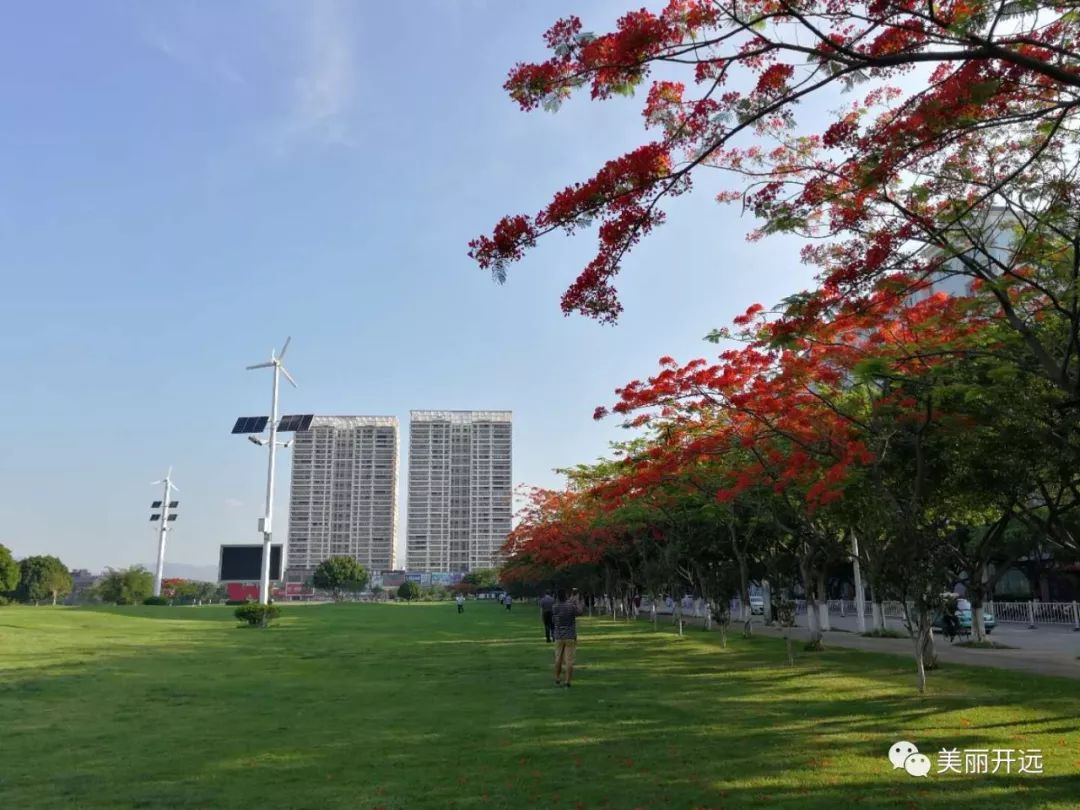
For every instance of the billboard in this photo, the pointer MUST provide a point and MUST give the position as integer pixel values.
(244, 563)
(239, 592)
(414, 576)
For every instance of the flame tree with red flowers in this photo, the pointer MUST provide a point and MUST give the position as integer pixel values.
(954, 153)
(868, 424)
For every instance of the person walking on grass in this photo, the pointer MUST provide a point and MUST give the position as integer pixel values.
(508, 600)
(547, 602)
(564, 615)
(460, 603)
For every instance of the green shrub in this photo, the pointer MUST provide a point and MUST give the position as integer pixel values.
(155, 600)
(4, 600)
(887, 632)
(255, 614)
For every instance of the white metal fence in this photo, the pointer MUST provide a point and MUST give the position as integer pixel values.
(1031, 613)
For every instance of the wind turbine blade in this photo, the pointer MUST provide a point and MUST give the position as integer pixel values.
(288, 377)
(155, 483)
(260, 365)
(173, 486)
(284, 348)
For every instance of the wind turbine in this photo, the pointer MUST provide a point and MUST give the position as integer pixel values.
(266, 523)
(164, 517)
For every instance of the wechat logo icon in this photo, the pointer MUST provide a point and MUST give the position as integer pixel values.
(906, 755)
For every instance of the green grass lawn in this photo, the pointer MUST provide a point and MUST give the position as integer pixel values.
(364, 706)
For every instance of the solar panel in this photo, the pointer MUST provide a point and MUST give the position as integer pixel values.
(155, 505)
(250, 424)
(295, 422)
(172, 517)
(155, 517)
(173, 504)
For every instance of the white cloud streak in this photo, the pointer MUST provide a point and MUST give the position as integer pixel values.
(324, 92)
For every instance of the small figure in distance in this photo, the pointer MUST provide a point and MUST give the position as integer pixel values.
(564, 615)
(460, 603)
(508, 600)
(547, 602)
(950, 623)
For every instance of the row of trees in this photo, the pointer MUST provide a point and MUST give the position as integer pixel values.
(930, 438)
(45, 578)
(910, 437)
(34, 579)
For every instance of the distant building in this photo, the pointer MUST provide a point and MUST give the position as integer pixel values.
(82, 585)
(460, 482)
(343, 498)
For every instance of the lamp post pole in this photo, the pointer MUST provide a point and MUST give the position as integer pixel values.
(164, 516)
(267, 521)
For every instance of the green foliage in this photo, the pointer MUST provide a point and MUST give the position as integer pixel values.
(256, 614)
(155, 600)
(125, 586)
(340, 575)
(408, 590)
(9, 571)
(886, 632)
(190, 591)
(482, 578)
(42, 577)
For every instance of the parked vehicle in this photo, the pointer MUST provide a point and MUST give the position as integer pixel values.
(964, 619)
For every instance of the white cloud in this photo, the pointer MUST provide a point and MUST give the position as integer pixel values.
(323, 93)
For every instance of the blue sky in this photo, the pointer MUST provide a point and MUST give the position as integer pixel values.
(182, 185)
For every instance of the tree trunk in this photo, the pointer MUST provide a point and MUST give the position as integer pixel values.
(766, 593)
(823, 605)
(744, 590)
(787, 647)
(929, 651)
(920, 669)
(54, 597)
(812, 612)
(877, 616)
(860, 596)
(812, 620)
(652, 613)
(978, 625)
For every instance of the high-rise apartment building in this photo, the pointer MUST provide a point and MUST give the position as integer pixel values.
(343, 500)
(459, 489)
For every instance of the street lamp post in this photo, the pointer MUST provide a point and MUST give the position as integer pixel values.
(163, 518)
(266, 522)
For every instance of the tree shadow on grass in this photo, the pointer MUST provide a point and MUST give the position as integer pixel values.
(345, 708)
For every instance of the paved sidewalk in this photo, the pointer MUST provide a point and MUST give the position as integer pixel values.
(1055, 652)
